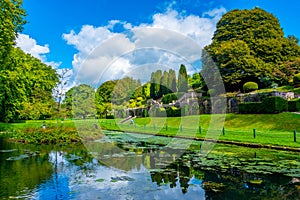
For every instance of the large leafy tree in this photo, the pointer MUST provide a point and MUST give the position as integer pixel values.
(249, 44)
(81, 99)
(11, 22)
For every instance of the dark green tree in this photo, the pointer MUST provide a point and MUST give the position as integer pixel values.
(182, 79)
(249, 44)
(172, 80)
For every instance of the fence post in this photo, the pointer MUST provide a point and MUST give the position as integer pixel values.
(295, 136)
(254, 133)
(200, 129)
(144, 126)
(180, 128)
(223, 130)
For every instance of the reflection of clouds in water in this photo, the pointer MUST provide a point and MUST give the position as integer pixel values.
(81, 183)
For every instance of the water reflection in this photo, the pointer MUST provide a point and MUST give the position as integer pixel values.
(122, 169)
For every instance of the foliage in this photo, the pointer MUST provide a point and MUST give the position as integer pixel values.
(124, 90)
(81, 99)
(249, 44)
(172, 80)
(46, 136)
(26, 88)
(212, 92)
(182, 84)
(294, 105)
(274, 105)
(155, 84)
(250, 86)
(11, 22)
(250, 108)
(296, 80)
(169, 98)
(173, 111)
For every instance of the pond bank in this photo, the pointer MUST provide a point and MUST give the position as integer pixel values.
(242, 144)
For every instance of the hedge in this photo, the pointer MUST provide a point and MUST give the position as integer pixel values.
(274, 105)
(173, 112)
(250, 108)
(294, 105)
(296, 80)
(268, 105)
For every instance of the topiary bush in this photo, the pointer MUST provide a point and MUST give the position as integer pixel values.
(250, 86)
(250, 108)
(294, 105)
(296, 80)
(274, 105)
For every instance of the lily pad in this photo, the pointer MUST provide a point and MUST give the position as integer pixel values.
(8, 150)
(21, 157)
(100, 180)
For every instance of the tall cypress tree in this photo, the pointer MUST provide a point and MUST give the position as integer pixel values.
(182, 79)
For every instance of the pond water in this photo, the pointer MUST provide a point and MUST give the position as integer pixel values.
(132, 166)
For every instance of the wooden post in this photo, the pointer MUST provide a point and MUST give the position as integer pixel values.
(254, 133)
(295, 136)
(200, 129)
(223, 130)
(180, 128)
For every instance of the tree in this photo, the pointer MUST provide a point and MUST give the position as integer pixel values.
(26, 88)
(249, 44)
(172, 81)
(164, 88)
(182, 79)
(155, 84)
(60, 89)
(82, 100)
(11, 22)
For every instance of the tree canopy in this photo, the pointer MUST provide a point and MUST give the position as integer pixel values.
(249, 44)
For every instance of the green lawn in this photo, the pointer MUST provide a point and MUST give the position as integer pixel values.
(271, 129)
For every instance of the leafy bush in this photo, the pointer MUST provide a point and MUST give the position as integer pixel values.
(296, 80)
(173, 112)
(294, 105)
(169, 98)
(274, 105)
(250, 108)
(250, 86)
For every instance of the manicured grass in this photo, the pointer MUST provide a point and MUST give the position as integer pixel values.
(271, 129)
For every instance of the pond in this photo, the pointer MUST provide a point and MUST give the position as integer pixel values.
(133, 166)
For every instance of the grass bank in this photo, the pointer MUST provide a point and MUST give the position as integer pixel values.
(265, 129)
(269, 129)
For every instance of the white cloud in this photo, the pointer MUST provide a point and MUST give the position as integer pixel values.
(170, 39)
(29, 45)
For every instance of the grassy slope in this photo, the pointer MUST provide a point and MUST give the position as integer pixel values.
(274, 129)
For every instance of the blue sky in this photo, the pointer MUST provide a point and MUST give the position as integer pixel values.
(65, 33)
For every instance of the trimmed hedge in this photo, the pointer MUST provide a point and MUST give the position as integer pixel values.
(268, 105)
(294, 105)
(274, 105)
(250, 108)
(250, 86)
(169, 98)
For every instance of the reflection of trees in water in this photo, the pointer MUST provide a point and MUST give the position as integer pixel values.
(237, 183)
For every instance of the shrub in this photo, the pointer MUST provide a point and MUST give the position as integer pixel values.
(169, 98)
(274, 105)
(294, 105)
(250, 108)
(173, 112)
(296, 80)
(250, 86)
